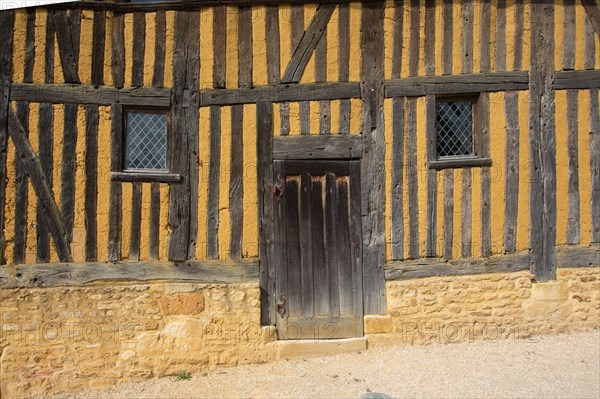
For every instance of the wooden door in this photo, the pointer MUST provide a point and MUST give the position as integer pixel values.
(318, 249)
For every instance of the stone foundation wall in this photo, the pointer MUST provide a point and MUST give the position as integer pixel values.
(63, 339)
(486, 307)
(68, 338)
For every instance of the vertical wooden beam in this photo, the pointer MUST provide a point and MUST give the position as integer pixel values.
(485, 26)
(6, 51)
(431, 224)
(574, 224)
(593, 11)
(183, 202)
(542, 143)
(266, 234)
(448, 31)
(98, 43)
(467, 67)
(219, 46)
(448, 212)
(154, 220)
(214, 179)
(501, 35)
(22, 187)
(519, 32)
(139, 47)
(297, 34)
(486, 181)
(46, 143)
(236, 182)
(91, 181)
(430, 37)
(397, 232)
(344, 62)
(67, 34)
(569, 42)
(158, 78)
(398, 36)
(245, 46)
(372, 168)
(118, 50)
(115, 212)
(136, 221)
(321, 76)
(272, 31)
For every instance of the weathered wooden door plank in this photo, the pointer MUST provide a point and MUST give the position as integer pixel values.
(310, 39)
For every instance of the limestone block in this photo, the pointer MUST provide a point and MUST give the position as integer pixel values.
(182, 304)
(550, 291)
(378, 324)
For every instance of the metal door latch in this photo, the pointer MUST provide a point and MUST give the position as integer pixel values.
(281, 310)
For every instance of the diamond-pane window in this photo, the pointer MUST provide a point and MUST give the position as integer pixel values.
(454, 128)
(146, 142)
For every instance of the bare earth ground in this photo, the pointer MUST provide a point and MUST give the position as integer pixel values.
(542, 367)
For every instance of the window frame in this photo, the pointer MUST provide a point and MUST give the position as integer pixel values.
(458, 161)
(146, 175)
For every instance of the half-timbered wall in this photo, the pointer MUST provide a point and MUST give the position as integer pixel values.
(205, 56)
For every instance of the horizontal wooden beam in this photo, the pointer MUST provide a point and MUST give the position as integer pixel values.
(565, 80)
(88, 94)
(281, 93)
(567, 256)
(317, 147)
(459, 163)
(73, 274)
(146, 177)
(180, 5)
(457, 84)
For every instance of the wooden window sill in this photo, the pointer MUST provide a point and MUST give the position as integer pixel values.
(146, 177)
(459, 162)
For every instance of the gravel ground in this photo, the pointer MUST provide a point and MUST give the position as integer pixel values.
(565, 366)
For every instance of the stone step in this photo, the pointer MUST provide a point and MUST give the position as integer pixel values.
(311, 348)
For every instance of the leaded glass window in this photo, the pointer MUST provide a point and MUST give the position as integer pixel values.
(146, 142)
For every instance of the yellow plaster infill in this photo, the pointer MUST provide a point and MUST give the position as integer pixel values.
(294, 119)
(309, 72)
(387, 109)
(18, 54)
(259, 46)
(145, 226)
(203, 173)
(405, 42)
(493, 29)
(108, 51)
(355, 116)
(104, 129)
(584, 166)
(562, 166)
(510, 34)
(497, 172)
(559, 15)
(78, 245)
(165, 228)
(126, 192)
(39, 67)
(456, 38)
(85, 46)
(9, 204)
(388, 29)
(476, 54)
(476, 209)
(250, 226)
(439, 36)
(149, 52)
(422, 41)
(579, 38)
(523, 207)
(207, 46)
(31, 245)
(422, 173)
(170, 33)
(128, 33)
(224, 234)
(333, 64)
(526, 36)
(355, 53)
(285, 36)
(457, 227)
(232, 48)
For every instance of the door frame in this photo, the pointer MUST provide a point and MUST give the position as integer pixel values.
(341, 166)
